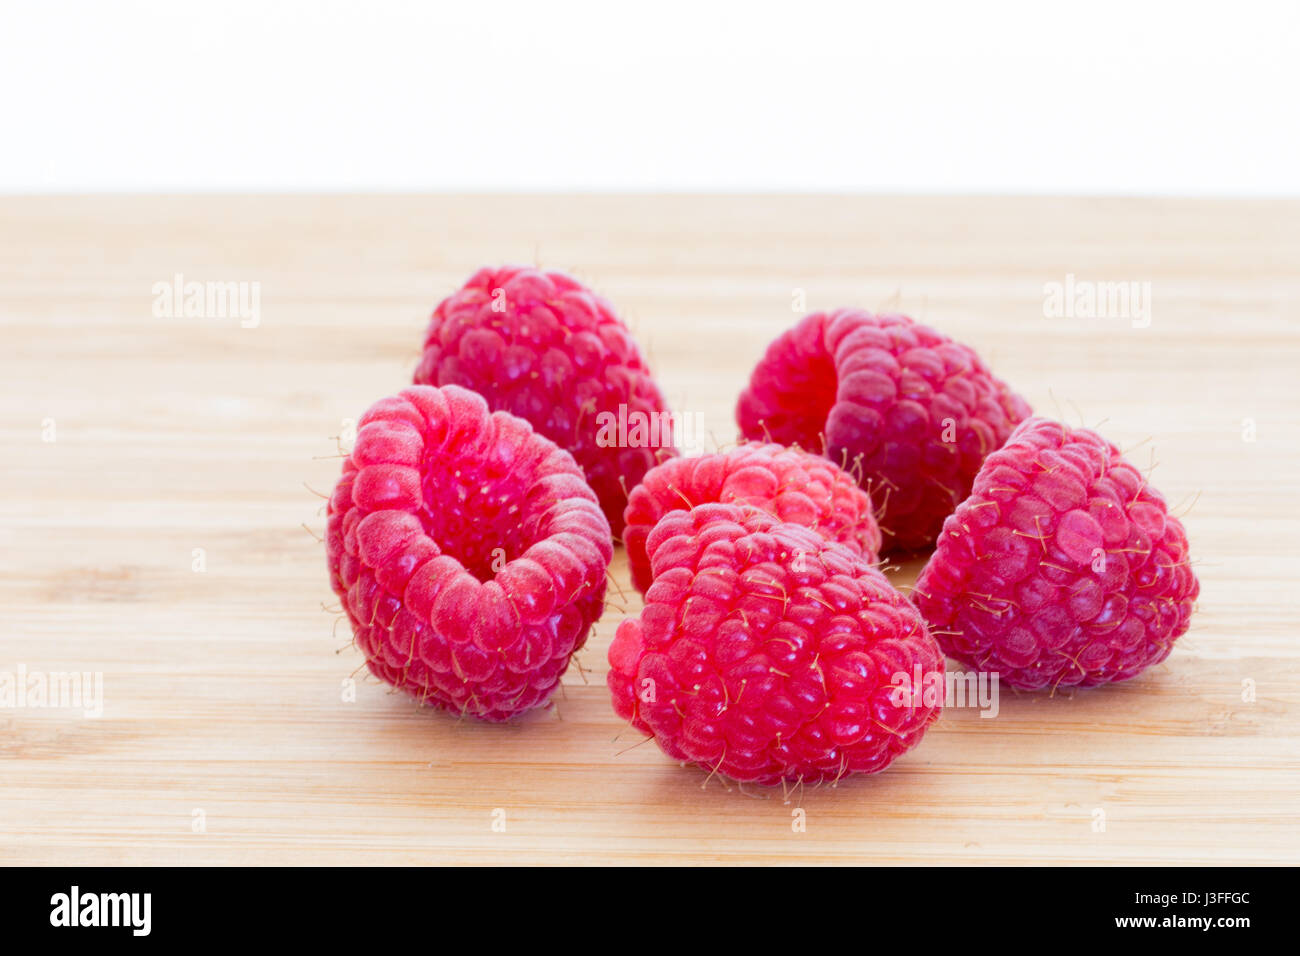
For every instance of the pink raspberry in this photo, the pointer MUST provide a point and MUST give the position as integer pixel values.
(767, 653)
(541, 346)
(912, 411)
(1062, 567)
(790, 484)
(468, 552)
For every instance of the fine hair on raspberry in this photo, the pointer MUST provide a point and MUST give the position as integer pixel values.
(468, 551)
(789, 483)
(904, 408)
(766, 653)
(1062, 568)
(540, 345)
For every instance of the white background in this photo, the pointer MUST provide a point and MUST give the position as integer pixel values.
(1099, 97)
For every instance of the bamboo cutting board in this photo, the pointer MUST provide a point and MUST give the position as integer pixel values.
(158, 527)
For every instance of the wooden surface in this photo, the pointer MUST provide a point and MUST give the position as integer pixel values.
(223, 699)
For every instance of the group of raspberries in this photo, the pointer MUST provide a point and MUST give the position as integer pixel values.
(470, 535)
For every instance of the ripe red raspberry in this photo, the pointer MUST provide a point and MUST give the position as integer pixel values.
(912, 411)
(767, 653)
(468, 552)
(1062, 567)
(790, 484)
(541, 346)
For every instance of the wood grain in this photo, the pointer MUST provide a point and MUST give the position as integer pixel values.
(222, 688)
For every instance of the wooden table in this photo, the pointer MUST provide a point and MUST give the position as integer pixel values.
(182, 443)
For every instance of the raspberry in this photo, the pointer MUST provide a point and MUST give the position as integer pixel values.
(468, 552)
(791, 484)
(541, 346)
(767, 653)
(1062, 567)
(912, 410)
